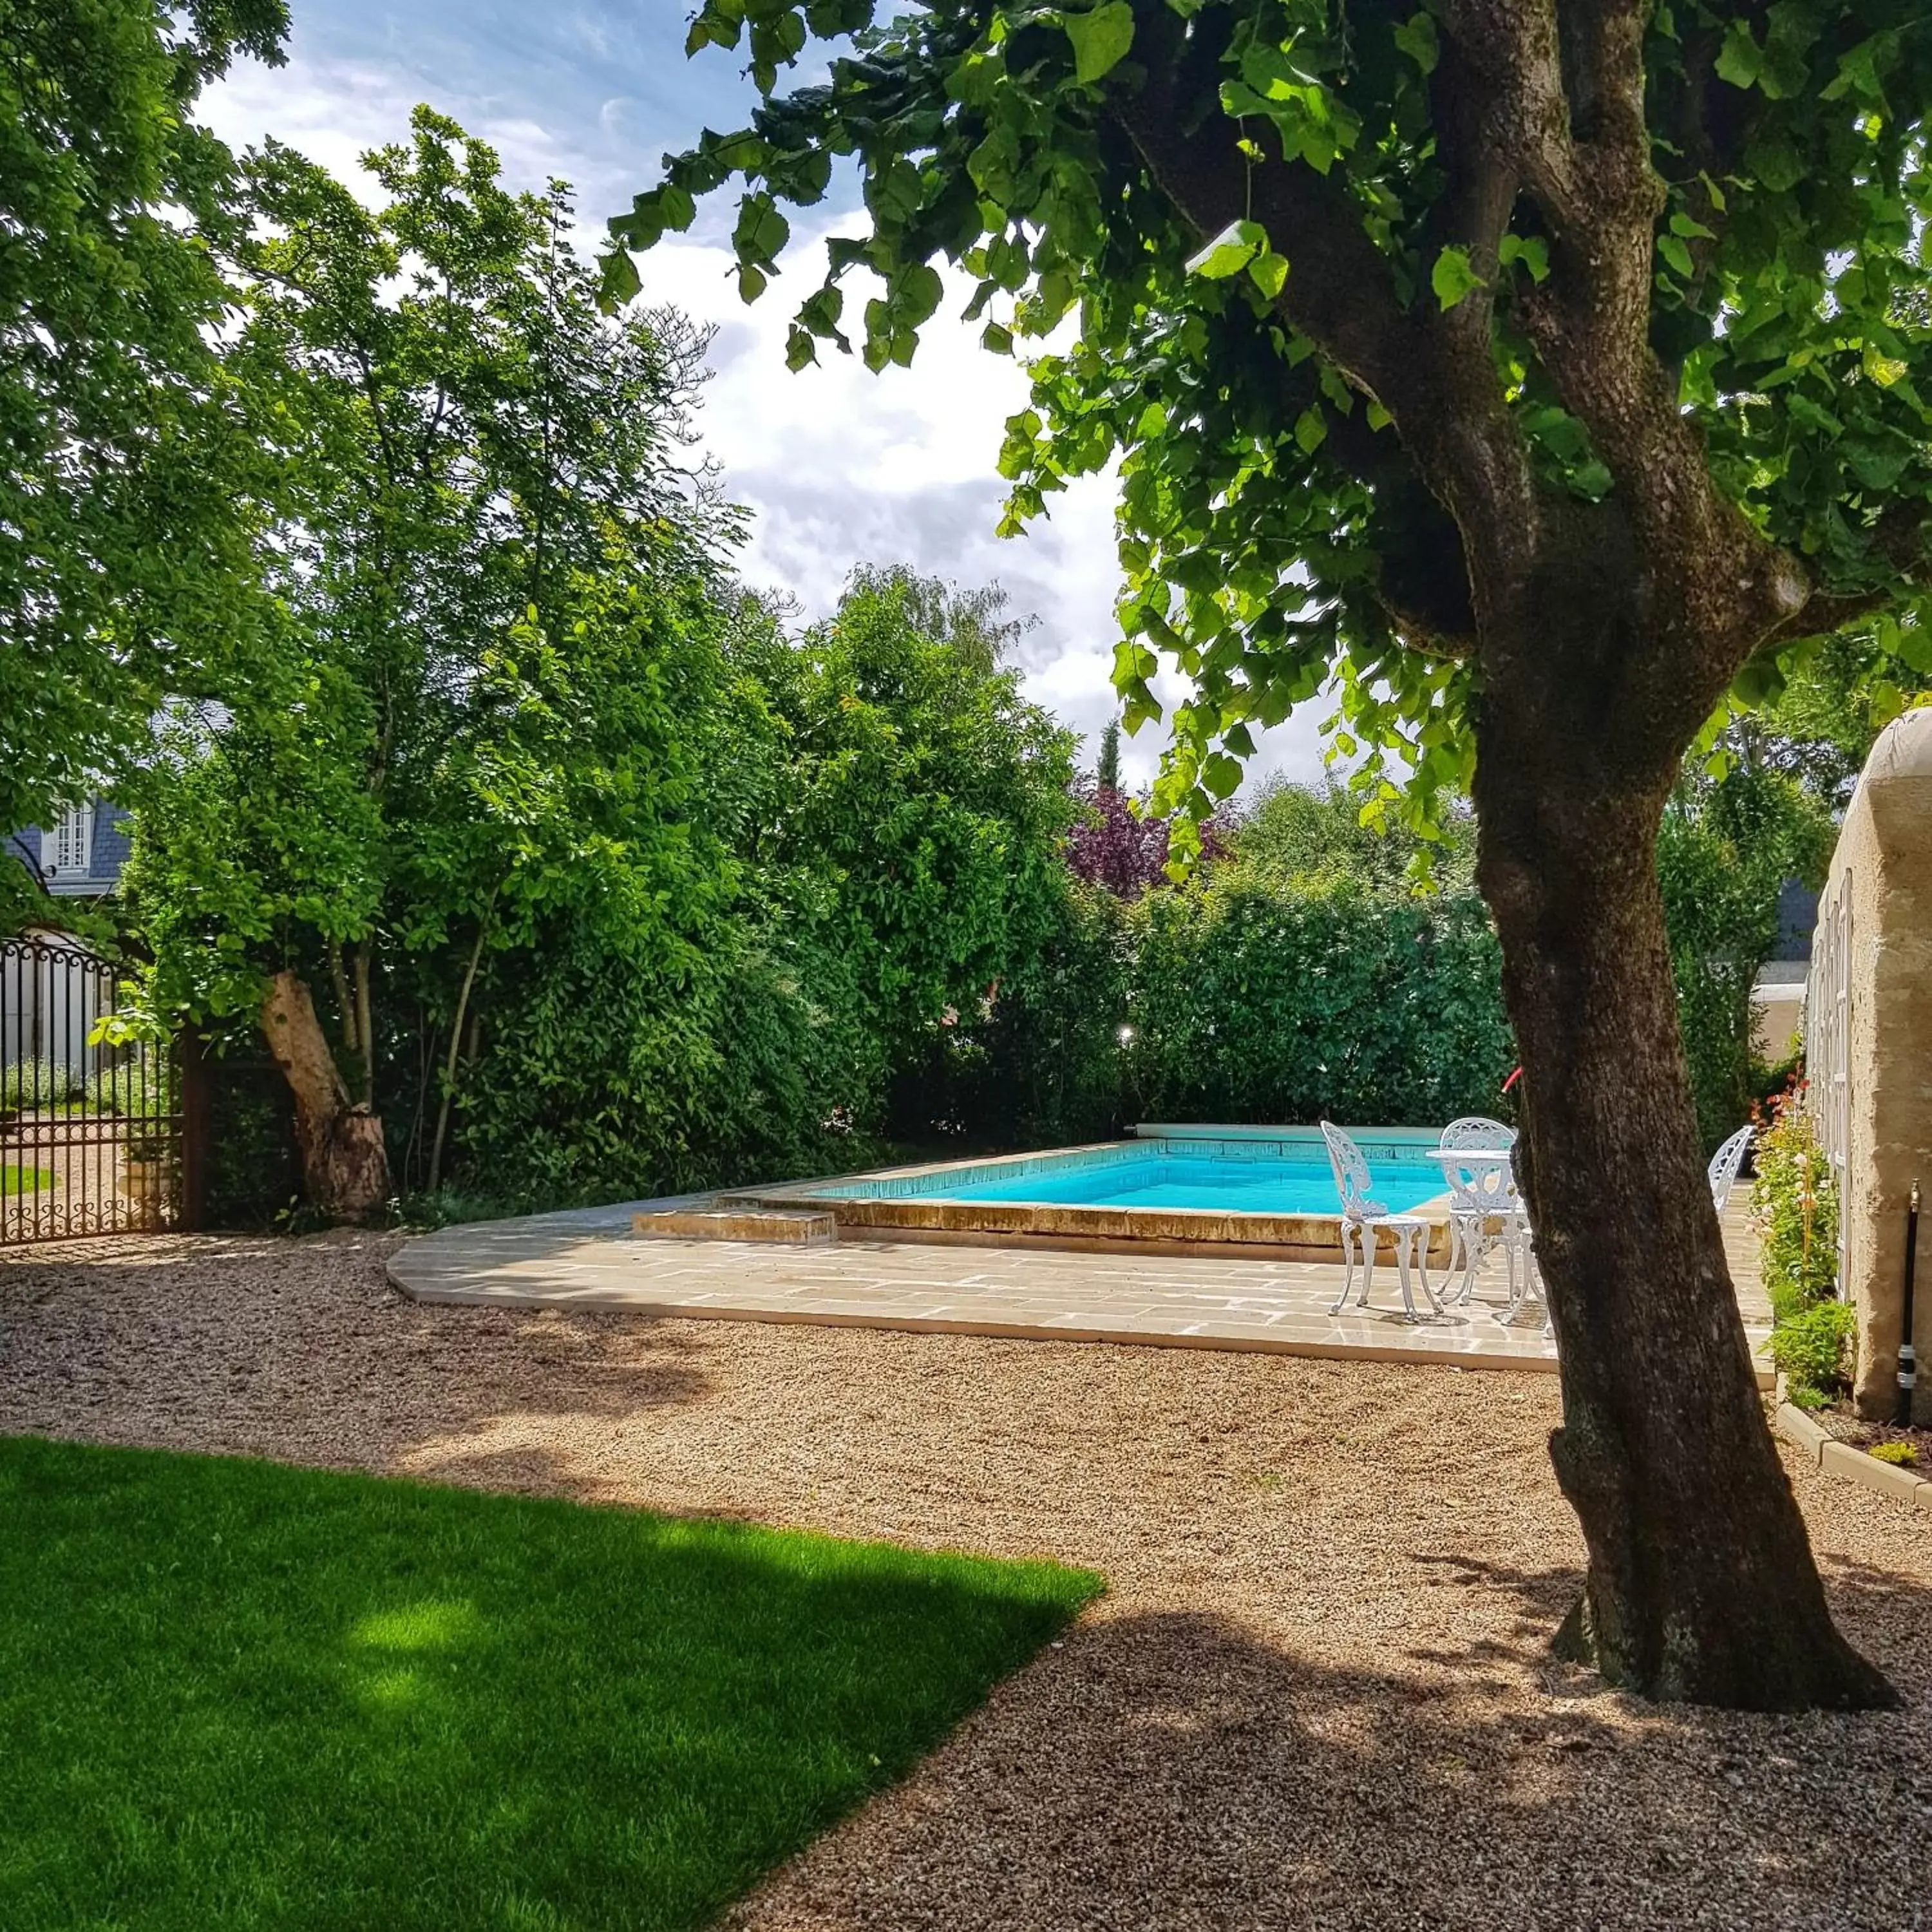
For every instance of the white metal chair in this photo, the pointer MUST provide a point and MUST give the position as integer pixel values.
(1471, 1235)
(1485, 1212)
(1362, 1220)
(1724, 1165)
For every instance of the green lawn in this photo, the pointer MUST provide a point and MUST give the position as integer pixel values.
(26, 1180)
(234, 1694)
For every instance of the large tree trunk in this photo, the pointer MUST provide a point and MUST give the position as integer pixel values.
(345, 1166)
(1701, 1584)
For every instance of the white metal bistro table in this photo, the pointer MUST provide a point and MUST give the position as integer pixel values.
(1482, 1188)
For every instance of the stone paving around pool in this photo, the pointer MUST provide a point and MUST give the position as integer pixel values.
(588, 1259)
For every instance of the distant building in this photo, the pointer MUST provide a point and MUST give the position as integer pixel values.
(81, 855)
(1797, 919)
(1778, 996)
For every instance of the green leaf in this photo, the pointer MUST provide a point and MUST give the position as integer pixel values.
(1758, 682)
(1774, 161)
(762, 232)
(1230, 252)
(1740, 60)
(1877, 465)
(820, 311)
(1912, 644)
(918, 293)
(1100, 39)
(997, 339)
(1532, 251)
(893, 191)
(800, 350)
(1416, 37)
(1591, 480)
(1673, 251)
(1269, 272)
(1453, 278)
(620, 280)
(1310, 430)
(1221, 775)
(715, 26)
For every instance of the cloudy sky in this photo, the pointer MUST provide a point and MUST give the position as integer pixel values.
(838, 466)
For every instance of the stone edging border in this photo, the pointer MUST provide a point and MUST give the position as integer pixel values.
(1903, 1485)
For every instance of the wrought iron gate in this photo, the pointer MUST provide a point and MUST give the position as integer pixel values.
(91, 1136)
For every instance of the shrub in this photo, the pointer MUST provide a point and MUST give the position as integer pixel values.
(1036, 1063)
(254, 1174)
(1812, 1347)
(1797, 1204)
(1248, 1006)
(37, 1083)
(141, 1087)
(603, 1075)
(1723, 850)
(1899, 1455)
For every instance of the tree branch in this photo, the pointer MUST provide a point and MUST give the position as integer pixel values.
(1508, 59)
(1423, 582)
(1821, 613)
(1435, 376)
(1568, 107)
(1340, 293)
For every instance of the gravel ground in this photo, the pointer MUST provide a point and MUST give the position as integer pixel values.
(1316, 1694)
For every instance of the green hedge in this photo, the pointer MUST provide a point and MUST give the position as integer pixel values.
(604, 1076)
(1250, 1007)
(1243, 1005)
(1039, 1062)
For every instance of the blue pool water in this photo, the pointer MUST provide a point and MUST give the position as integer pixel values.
(1183, 1181)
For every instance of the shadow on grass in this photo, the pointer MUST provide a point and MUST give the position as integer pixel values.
(240, 1693)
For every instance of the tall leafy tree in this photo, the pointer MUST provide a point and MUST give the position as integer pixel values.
(492, 592)
(1541, 372)
(928, 796)
(123, 475)
(1107, 768)
(1300, 839)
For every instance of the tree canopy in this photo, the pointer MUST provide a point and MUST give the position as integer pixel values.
(1296, 235)
(123, 475)
(491, 618)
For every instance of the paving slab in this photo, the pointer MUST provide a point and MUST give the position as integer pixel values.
(588, 1258)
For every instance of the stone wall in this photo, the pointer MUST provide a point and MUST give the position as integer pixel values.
(1868, 1037)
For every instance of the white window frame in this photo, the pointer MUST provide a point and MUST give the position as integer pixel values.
(67, 852)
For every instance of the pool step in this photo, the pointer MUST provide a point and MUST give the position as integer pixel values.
(801, 1227)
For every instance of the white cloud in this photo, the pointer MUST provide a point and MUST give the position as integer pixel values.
(843, 466)
(839, 466)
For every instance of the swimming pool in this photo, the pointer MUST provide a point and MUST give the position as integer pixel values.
(1211, 1182)
(1258, 1191)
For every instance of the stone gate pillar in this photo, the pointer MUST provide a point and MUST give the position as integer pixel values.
(1868, 1050)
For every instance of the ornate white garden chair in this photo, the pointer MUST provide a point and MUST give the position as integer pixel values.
(1362, 1220)
(1480, 1205)
(1724, 1165)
